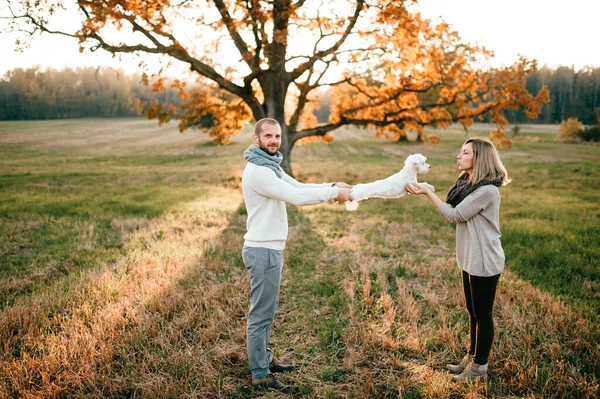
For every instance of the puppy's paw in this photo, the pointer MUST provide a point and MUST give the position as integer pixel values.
(351, 205)
(428, 186)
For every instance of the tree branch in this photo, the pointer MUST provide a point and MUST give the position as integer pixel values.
(277, 48)
(316, 131)
(253, 7)
(302, 100)
(300, 69)
(324, 129)
(138, 28)
(298, 4)
(235, 36)
(390, 98)
(39, 26)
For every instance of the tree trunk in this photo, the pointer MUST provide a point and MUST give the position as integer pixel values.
(403, 137)
(286, 151)
(275, 89)
(595, 95)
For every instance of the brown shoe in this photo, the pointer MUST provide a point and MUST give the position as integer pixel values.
(275, 367)
(268, 381)
(473, 372)
(460, 367)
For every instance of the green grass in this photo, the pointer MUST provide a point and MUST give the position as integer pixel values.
(57, 203)
(61, 219)
(551, 230)
(370, 302)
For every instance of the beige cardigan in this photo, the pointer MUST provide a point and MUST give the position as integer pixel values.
(478, 248)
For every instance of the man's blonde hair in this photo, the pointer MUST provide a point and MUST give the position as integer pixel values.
(264, 121)
(486, 162)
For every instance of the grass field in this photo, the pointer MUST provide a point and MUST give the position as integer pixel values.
(121, 272)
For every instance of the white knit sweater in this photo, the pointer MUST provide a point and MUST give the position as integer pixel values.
(265, 196)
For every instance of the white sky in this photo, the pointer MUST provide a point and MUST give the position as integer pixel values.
(554, 32)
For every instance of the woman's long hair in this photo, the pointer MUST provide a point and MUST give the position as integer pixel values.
(486, 163)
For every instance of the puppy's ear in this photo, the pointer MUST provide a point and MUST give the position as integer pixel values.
(410, 160)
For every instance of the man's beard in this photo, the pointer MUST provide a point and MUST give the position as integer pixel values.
(266, 149)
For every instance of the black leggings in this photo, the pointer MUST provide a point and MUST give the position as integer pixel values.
(480, 293)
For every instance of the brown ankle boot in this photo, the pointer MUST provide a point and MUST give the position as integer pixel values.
(460, 367)
(268, 381)
(275, 367)
(473, 372)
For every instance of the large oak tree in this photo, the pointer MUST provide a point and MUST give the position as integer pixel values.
(387, 67)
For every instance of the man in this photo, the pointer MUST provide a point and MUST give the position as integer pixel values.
(266, 188)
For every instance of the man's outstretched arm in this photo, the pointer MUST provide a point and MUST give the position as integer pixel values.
(269, 185)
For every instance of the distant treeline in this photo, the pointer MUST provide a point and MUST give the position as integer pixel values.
(31, 93)
(573, 94)
(90, 92)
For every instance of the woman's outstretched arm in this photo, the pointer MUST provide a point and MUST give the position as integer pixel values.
(469, 207)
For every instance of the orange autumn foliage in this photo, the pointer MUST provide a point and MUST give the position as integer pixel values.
(388, 68)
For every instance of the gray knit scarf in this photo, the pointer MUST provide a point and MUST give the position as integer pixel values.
(463, 187)
(259, 157)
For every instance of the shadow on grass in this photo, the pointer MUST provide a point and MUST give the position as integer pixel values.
(124, 313)
(57, 224)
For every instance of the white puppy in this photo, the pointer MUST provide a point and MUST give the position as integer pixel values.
(393, 186)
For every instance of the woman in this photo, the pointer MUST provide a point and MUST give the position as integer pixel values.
(474, 205)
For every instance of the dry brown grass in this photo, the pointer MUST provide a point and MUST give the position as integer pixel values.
(371, 304)
(407, 332)
(168, 320)
(160, 322)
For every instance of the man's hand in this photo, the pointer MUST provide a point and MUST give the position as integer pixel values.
(344, 195)
(343, 185)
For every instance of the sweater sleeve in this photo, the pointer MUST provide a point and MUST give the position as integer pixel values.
(269, 185)
(473, 204)
(293, 182)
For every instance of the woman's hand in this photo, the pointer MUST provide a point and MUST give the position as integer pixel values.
(416, 188)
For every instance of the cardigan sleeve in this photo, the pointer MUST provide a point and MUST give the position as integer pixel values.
(473, 204)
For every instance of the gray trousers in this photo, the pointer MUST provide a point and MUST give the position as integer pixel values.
(264, 266)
